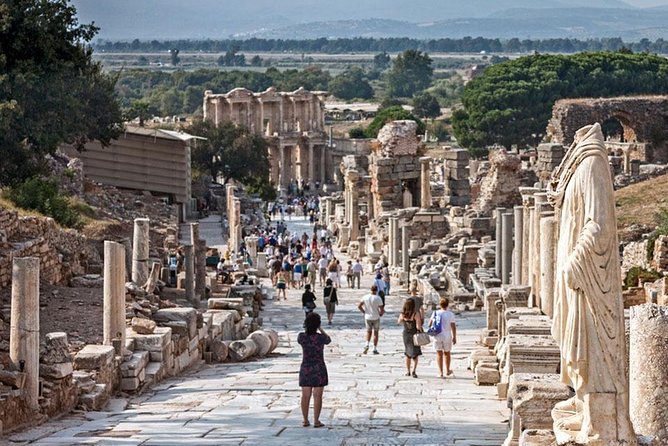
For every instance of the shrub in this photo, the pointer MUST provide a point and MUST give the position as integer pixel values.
(637, 273)
(357, 133)
(44, 196)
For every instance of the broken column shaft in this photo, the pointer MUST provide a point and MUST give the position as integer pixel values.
(114, 293)
(140, 251)
(24, 330)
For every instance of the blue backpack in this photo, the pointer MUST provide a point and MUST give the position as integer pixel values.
(434, 324)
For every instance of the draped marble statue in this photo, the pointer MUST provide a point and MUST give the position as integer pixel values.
(588, 319)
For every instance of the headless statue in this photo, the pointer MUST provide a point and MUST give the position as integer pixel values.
(588, 319)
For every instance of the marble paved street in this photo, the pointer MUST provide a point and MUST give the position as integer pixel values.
(369, 400)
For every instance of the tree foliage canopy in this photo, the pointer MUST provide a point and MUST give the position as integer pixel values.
(51, 91)
(229, 150)
(512, 102)
(351, 84)
(426, 105)
(410, 73)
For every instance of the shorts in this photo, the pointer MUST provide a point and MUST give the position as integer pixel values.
(334, 277)
(297, 276)
(442, 344)
(330, 307)
(373, 325)
(280, 286)
(323, 272)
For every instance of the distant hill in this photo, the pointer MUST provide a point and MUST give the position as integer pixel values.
(174, 19)
(581, 23)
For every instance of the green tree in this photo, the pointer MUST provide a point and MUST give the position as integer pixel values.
(51, 90)
(512, 102)
(351, 84)
(256, 61)
(232, 58)
(396, 113)
(426, 106)
(231, 151)
(138, 110)
(381, 61)
(410, 73)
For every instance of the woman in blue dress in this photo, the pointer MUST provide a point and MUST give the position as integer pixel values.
(313, 371)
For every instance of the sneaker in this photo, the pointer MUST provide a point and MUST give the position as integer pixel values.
(375, 352)
(366, 350)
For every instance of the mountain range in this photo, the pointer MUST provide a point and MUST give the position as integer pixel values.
(215, 19)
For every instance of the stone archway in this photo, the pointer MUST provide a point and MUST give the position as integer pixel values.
(644, 121)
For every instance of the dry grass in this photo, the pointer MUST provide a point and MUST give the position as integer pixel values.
(640, 202)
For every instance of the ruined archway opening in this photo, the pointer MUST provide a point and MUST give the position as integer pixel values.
(617, 128)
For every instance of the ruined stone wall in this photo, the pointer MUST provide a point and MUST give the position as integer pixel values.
(61, 251)
(644, 119)
(500, 187)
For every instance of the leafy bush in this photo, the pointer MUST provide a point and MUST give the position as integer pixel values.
(263, 187)
(396, 113)
(637, 273)
(661, 218)
(44, 196)
(357, 133)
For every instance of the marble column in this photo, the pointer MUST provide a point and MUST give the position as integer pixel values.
(548, 246)
(507, 227)
(323, 165)
(353, 194)
(114, 293)
(24, 328)
(530, 256)
(283, 174)
(140, 251)
(498, 234)
(311, 164)
(648, 371)
(425, 183)
(527, 203)
(517, 254)
(405, 241)
(199, 259)
(189, 264)
(393, 252)
(539, 199)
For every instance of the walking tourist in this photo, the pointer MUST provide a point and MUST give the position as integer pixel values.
(322, 269)
(313, 371)
(419, 300)
(357, 273)
(308, 300)
(282, 284)
(349, 273)
(373, 308)
(312, 271)
(442, 322)
(330, 300)
(333, 271)
(412, 322)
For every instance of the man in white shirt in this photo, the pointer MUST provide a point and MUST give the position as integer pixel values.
(372, 307)
(357, 273)
(322, 269)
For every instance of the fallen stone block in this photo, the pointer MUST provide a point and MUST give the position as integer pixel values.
(486, 376)
(273, 334)
(135, 365)
(14, 379)
(84, 381)
(477, 355)
(218, 350)
(143, 326)
(242, 350)
(187, 315)
(56, 349)
(95, 400)
(155, 342)
(55, 371)
(94, 357)
(225, 304)
(263, 342)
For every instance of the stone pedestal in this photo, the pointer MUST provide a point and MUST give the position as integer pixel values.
(24, 329)
(114, 292)
(140, 251)
(517, 253)
(425, 183)
(649, 371)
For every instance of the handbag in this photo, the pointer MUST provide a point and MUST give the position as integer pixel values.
(310, 305)
(328, 299)
(421, 339)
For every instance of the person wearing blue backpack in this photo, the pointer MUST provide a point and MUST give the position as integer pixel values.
(444, 330)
